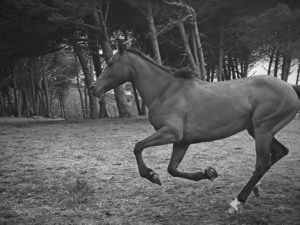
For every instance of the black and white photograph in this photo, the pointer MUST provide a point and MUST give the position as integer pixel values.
(149, 112)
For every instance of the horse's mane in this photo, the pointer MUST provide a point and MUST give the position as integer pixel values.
(185, 73)
(182, 73)
(142, 55)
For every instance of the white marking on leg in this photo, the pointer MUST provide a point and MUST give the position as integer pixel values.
(234, 206)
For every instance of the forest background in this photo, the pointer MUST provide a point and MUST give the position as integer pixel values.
(52, 50)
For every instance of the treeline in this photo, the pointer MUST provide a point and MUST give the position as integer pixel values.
(46, 47)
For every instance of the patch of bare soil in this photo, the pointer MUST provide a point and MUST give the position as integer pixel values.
(84, 172)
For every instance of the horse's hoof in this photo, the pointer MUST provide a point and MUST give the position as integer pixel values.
(257, 189)
(235, 207)
(210, 173)
(155, 179)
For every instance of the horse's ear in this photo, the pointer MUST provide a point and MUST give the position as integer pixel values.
(121, 47)
(124, 45)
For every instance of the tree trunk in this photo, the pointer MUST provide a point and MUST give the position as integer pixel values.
(231, 66)
(3, 109)
(62, 108)
(236, 66)
(187, 47)
(2, 113)
(271, 60)
(221, 53)
(228, 67)
(10, 107)
(208, 70)
(212, 77)
(152, 34)
(25, 104)
(121, 102)
(245, 66)
(88, 80)
(86, 105)
(78, 87)
(97, 20)
(17, 112)
(194, 50)
(225, 70)
(199, 50)
(98, 69)
(42, 105)
(286, 65)
(298, 74)
(276, 63)
(32, 88)
(46, 90)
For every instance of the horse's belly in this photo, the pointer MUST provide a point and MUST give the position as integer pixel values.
(203, 131)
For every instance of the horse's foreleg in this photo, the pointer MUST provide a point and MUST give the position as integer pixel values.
(163, 136)
(179, 150)
(263, 142)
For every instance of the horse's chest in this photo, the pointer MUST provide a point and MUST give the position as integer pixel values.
(163, 114)
(158, 117)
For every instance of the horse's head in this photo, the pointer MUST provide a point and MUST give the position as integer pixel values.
(114, 74)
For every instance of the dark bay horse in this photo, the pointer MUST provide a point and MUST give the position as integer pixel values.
(186, 110)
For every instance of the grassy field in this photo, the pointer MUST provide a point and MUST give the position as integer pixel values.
(84, 172)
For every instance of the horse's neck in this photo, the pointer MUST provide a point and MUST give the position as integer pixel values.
(150, 80)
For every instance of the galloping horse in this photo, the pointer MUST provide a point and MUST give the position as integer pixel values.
(184, 110)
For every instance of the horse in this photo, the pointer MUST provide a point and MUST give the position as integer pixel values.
(185, 110)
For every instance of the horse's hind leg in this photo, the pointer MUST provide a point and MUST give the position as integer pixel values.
(263, 142)
(278, 151)
(179, 150)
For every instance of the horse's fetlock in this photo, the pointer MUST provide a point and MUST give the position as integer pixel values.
(144, 174)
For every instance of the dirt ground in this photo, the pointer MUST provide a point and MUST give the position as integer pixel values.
(84, 172)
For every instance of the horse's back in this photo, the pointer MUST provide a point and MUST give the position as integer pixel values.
(275, 103)
(218, 110)
(266, 88)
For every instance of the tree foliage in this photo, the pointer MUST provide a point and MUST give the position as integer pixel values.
(232, 37)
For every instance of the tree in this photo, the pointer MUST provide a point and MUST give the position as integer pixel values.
(190, 15)
(98, 20)
(88, 79)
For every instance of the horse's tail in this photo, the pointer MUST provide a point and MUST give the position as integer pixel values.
(297, 89)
